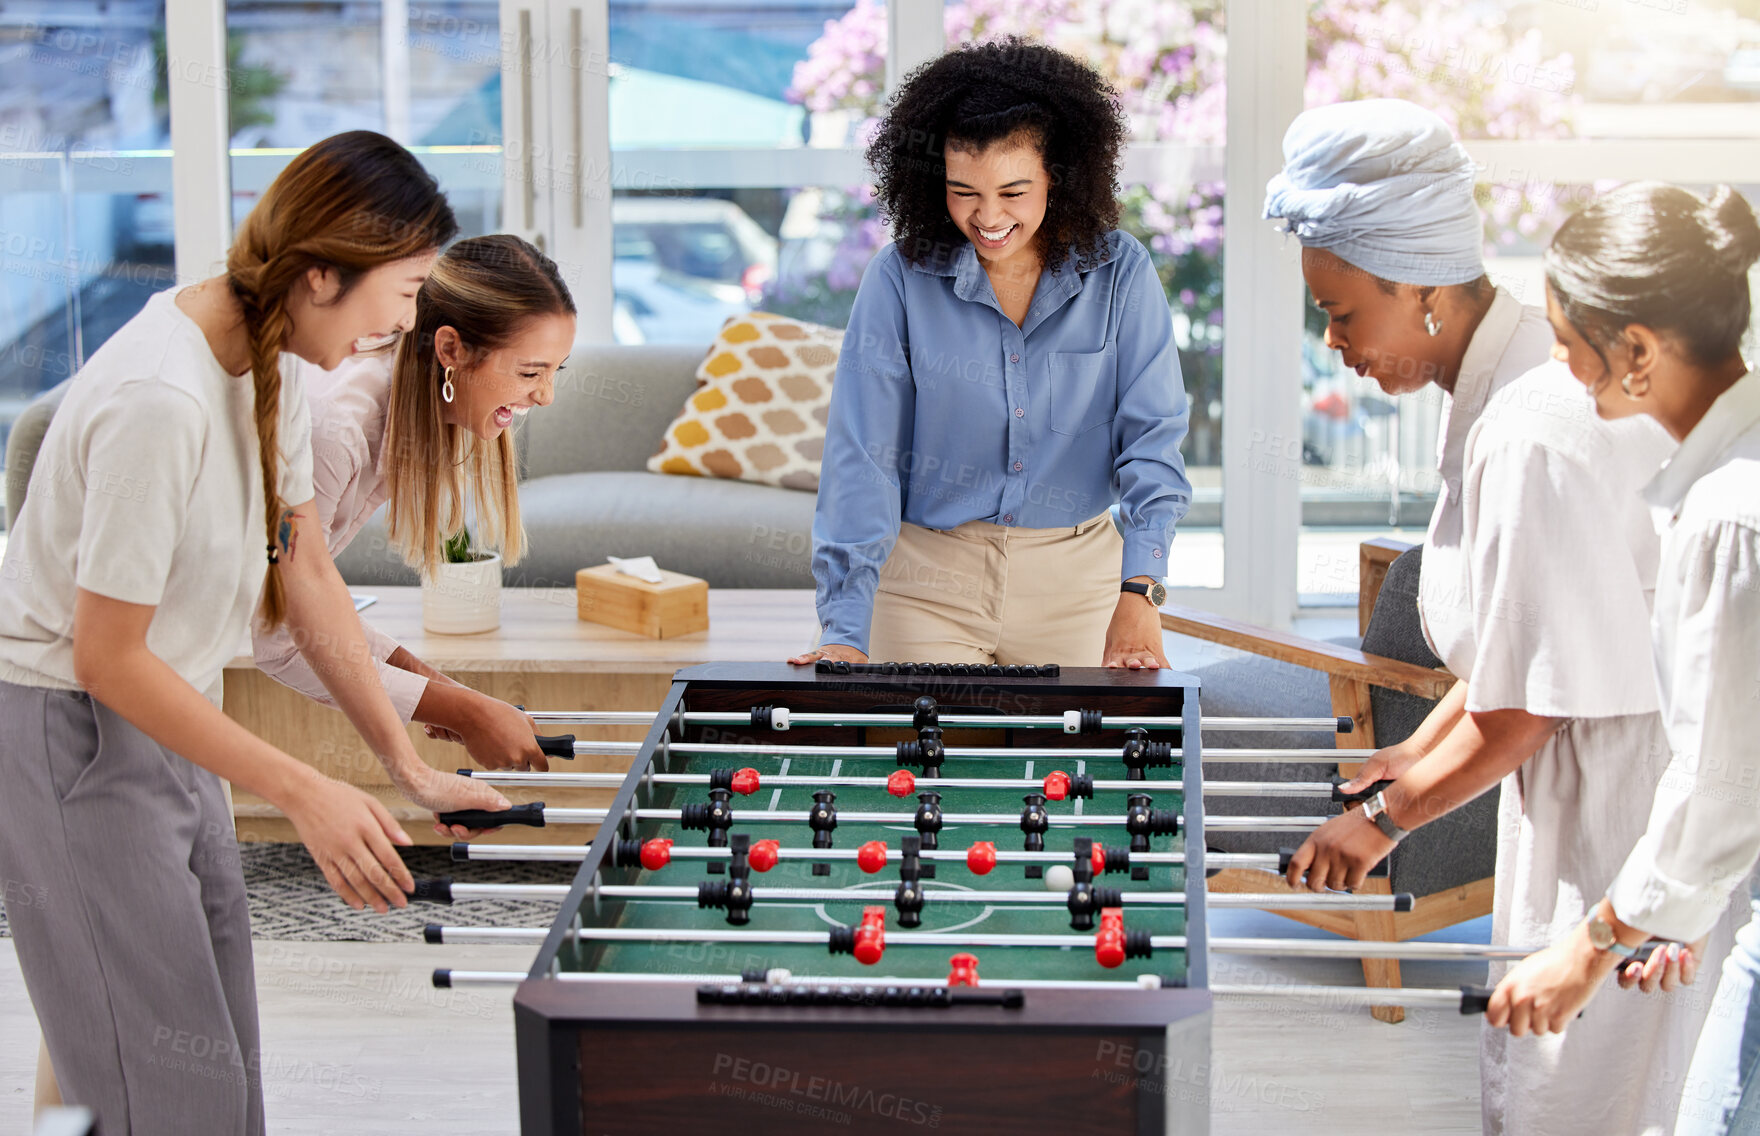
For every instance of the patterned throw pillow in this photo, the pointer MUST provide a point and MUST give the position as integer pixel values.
(759, 411)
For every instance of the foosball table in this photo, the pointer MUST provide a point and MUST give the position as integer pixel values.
(945, 896)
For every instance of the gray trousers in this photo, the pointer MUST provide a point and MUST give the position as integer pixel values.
(127, 903)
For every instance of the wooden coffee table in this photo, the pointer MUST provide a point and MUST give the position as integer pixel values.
(542, 657)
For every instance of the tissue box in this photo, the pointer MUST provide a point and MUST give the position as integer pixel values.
(678, 605)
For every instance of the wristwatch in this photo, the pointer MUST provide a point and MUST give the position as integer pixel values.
(1375, 808)
(1156, 593)
(1601, 938)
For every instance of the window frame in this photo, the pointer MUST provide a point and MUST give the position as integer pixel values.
(560, 171)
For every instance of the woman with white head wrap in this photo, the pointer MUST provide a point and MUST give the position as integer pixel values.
(1556, 699)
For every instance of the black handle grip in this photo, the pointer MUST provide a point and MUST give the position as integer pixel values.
(1476, 999)
(557, 745)
(1345, 725)
(433, 891)
(1344, 798)
(532, 814)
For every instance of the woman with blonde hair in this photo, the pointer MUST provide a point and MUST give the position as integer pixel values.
(423, 425)
(130, 581)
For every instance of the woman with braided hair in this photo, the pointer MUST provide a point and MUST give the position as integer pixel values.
(131, 575)
(1008, 374)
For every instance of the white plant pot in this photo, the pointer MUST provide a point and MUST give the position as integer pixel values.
(463, 599)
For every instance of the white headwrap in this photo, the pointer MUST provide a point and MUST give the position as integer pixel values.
(1383, 185)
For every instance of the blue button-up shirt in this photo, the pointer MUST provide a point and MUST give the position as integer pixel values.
(944, 411)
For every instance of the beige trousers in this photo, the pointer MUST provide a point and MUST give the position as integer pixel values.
(984, 593)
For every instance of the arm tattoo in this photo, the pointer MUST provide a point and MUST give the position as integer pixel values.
(287, 535)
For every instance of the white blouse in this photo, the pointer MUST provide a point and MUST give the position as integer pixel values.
(1537, 529)
(348, 415)
(1704, 831)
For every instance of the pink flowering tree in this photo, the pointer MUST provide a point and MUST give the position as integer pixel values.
(1168, 62)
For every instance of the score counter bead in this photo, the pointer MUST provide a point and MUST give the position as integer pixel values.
(871, 857)
(981, 858)
(1059, 877)
(901, 783)
(762, 856)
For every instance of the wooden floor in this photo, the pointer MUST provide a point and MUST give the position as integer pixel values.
(356, 1040)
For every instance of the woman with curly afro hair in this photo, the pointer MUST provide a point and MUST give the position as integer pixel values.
(1008, 375)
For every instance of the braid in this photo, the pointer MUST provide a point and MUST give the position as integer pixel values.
(264, 300)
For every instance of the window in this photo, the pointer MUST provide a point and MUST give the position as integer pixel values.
(85, 162)
(685, 162)
(1558, 102)
(427, 73)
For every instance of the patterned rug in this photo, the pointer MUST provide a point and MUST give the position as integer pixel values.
(290, 901)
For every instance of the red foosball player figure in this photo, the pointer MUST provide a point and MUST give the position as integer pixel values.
(965, 970)
(763, 855)
(1109, 942)
(656, 853)
(871, 857)
(871, 936)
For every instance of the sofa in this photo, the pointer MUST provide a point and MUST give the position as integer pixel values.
(587, 493)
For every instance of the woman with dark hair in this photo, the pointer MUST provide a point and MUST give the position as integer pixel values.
(1554, 700)
(1009, 373)
(423, 425)
(1647, 291)
(130, 579)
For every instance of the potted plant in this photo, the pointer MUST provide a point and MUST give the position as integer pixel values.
(463, 596)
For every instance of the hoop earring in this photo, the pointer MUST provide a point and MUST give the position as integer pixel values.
(1625, 386)
(446, 388)
(1432, 324)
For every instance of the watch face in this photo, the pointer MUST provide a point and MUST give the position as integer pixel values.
(1157, 594)
(1600, 934)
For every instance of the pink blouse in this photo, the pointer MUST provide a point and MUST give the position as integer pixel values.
(348, 408)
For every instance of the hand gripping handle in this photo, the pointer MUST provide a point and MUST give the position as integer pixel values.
(1341, 797)
(532, 814)
(557, 745)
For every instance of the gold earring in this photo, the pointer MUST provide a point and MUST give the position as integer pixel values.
(447, 390)
(1625, 385)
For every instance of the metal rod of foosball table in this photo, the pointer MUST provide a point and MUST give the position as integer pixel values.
(952, 753)
(574, 853)
(437, 933)
(1367, 948)
(447, 977)
(536, 814)
(447, 891)
(785, 781)
(971, 721)
(1460, 999)
(1465, 999)
(1284, 948)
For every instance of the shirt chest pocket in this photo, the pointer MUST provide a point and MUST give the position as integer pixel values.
(1084, 389)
